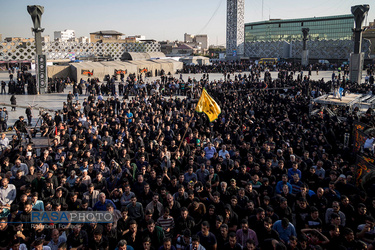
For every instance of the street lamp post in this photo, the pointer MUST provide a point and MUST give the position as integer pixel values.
(356, 58)
(36, 12)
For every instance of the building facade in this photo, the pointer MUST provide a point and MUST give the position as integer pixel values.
(370, 35)
(197, 41)
(235, 28)
(64, 35)
(321, 28)
(329, 38)
(188, 38)
(107, 36)
(202, 40)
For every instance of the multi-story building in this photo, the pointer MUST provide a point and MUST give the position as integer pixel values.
(83, 39)
(199, 43)
(321, 28)
(370, 35)
(329, 37)
(46, 39)
(202, 40)
(188, 38)
(64, 35)
(136, 38)
(167, 46)
(19, 39)
(107, 36)
(197, 40)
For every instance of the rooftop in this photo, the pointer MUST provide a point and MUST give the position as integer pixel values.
(324, 18)
(184, 46)
(107, 32)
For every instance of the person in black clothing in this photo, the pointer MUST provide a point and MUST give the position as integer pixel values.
(29, 115)
(20, 127)
(77, 238)
(13, 102)
(133, 237)
(25, 216)
(3, 84)
(185, 221)
(232, 244)
(99, 242)
(7, 233)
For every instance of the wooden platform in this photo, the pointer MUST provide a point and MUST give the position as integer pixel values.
(347, 100)
(38, 141)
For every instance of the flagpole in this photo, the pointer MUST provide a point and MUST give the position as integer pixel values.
(183, 137)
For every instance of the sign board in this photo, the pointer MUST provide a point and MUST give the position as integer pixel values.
(41, 73)
(234, 52)
(72, 56)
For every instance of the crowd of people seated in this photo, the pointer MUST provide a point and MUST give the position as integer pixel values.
(265, 175)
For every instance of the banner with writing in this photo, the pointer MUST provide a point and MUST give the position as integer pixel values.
(364, 167)
(120, 71)
(359, 137)
(87, 72)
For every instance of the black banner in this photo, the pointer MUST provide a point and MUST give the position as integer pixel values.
(364, 170)
(359, 137)
(41, 73)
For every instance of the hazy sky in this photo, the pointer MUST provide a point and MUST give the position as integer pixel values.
(157, 19)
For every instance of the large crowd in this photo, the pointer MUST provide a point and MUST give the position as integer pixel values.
(265, 175)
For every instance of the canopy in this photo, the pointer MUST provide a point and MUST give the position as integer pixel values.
(135, 56)
(200, 60)
(99, 70)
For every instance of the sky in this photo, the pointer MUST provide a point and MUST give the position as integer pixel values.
(157, 19)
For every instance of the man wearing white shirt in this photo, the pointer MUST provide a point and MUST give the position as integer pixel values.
(369, 143)
(56, 239)
(4, 142)
(7, 193)
(19, 166)
(210, 151)
(223, 152)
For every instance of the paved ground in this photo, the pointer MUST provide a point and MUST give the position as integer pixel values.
(54, 101)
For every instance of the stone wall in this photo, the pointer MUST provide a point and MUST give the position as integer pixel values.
(63, 50)
(328, 49)
(278, 49)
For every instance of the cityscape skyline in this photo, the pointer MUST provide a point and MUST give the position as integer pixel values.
(169, 19)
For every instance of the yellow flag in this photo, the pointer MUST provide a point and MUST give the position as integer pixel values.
(208, 105)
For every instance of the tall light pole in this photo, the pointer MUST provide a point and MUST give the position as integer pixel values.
(36, 12)
(356, 58)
